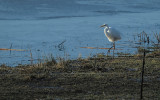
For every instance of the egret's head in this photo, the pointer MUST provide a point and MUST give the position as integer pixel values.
(104, 25)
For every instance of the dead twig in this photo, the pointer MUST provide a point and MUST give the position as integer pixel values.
(12, 49)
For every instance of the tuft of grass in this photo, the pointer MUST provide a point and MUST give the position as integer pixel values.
(121, 54)
(51, 61)
(154, 54)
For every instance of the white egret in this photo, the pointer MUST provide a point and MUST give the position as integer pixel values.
(112, 34)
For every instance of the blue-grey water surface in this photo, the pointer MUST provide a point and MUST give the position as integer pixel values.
(62, 27)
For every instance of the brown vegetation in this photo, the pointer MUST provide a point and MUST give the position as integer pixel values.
(95, 78)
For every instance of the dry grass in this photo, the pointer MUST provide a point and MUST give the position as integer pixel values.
(95, 78)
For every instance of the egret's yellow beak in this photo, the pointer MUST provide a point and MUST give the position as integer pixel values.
(102, 25)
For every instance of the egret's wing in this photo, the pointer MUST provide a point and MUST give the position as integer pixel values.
(115, 34)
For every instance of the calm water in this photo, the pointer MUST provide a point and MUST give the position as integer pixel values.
(61, 27)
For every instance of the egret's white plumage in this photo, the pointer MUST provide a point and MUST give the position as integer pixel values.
(111, 33)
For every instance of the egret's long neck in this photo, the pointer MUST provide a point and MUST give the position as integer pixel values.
(106, 28)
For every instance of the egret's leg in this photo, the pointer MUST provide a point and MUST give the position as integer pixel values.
(109, 49)
(113, 45)
(113, 48)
